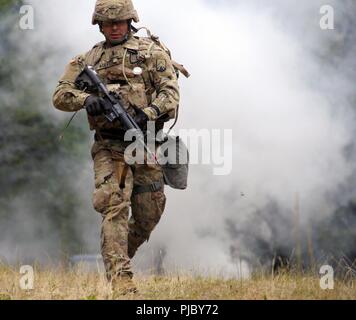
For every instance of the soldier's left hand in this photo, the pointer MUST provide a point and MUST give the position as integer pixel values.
(95, 106)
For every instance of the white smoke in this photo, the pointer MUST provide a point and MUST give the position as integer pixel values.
(254, 70)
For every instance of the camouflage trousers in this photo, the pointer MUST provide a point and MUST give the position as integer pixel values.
(114, 195)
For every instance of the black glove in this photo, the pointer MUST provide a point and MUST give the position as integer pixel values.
(141, 118)
(95, 106)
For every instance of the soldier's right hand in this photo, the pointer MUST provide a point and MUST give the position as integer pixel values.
(95, 106)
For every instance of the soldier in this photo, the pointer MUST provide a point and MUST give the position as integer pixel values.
(142, 73)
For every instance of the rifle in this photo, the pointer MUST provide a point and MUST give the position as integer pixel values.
(89, 80)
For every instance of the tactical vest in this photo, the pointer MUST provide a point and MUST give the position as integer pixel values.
(116, 67)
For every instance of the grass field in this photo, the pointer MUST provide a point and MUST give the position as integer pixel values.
(78, 285)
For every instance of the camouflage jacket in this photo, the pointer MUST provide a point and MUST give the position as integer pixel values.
(157, 85)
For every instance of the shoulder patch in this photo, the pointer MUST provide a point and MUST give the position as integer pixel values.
(161, 65)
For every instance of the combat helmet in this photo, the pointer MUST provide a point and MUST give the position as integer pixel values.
(114, 10)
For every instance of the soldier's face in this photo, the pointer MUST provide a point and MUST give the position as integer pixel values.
(115, 32)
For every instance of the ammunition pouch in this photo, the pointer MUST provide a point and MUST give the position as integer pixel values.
(173, 157)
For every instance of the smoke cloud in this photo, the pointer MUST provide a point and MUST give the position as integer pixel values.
(262, 68)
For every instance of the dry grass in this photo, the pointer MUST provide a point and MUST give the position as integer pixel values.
(78, 285)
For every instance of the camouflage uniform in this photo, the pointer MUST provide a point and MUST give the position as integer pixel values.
(119, 186)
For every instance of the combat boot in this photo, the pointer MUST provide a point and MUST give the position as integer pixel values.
(123, 286)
